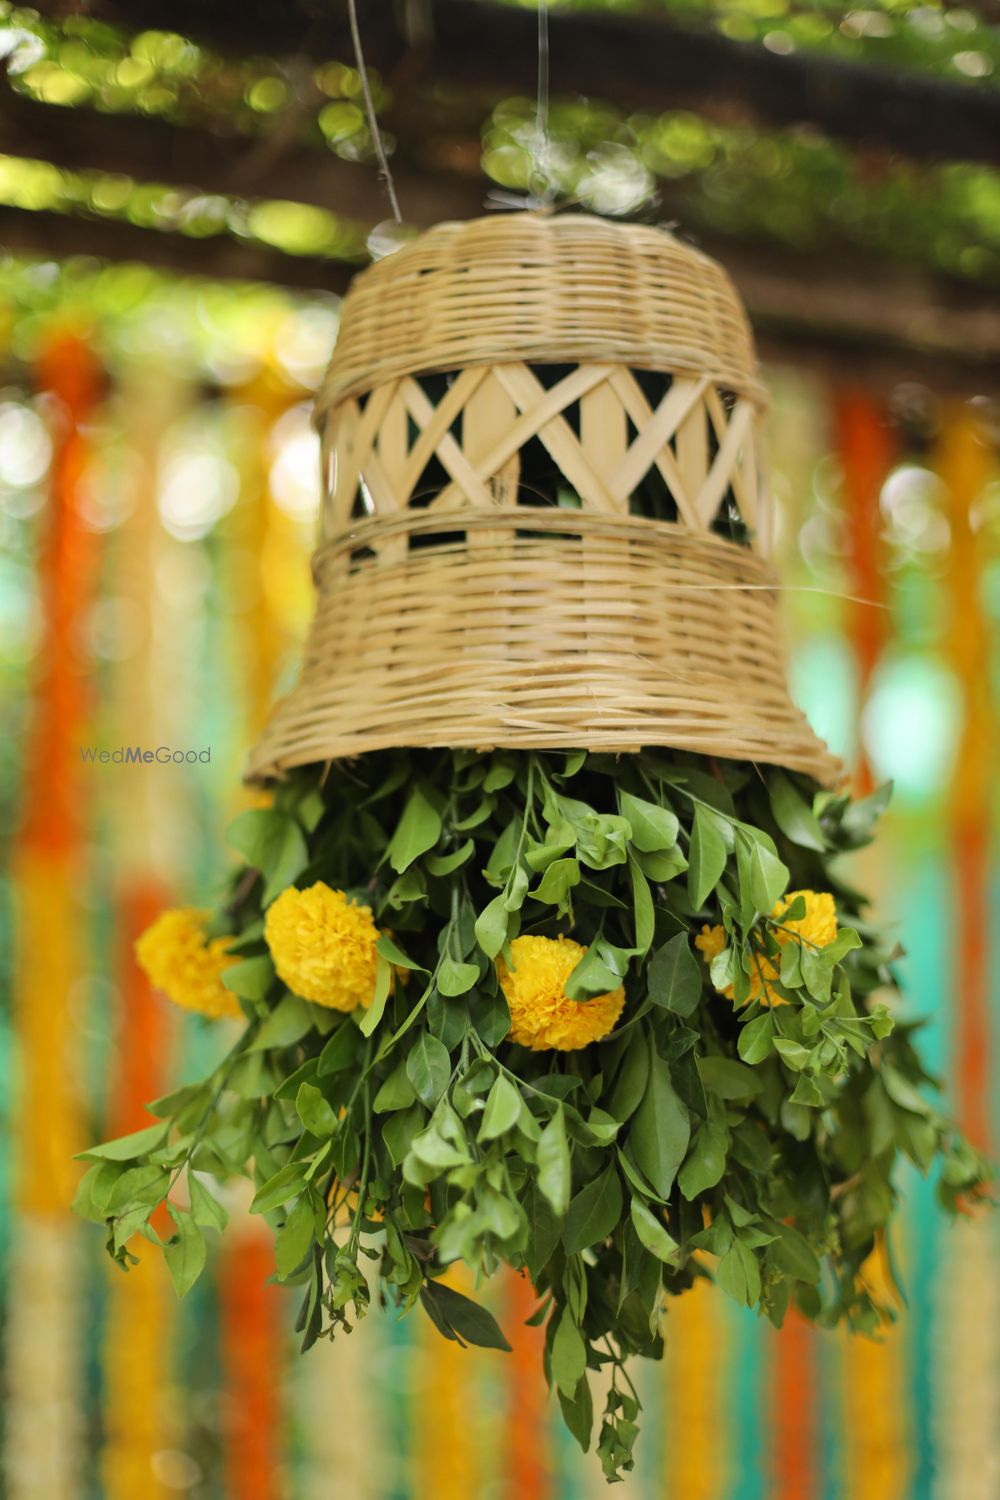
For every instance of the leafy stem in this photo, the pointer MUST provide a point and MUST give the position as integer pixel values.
(224, 1072)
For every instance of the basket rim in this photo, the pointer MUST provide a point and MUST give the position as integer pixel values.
(650, 675)
(350, 375)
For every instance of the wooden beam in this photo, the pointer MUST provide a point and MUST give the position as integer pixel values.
(56, 236)
(631, 59)
(873, 323)
(227, 162)
(303, 170)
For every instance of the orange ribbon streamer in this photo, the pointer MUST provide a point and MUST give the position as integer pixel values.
(793, 1416)
(252, 1332)
(43, 1358)
(527, 1477)
(867, 452)
(50, 918)
(251, 1349)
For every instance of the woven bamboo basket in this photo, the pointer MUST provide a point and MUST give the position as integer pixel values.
(545, 521)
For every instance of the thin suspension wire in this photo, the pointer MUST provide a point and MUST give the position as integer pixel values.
(373, 126)
(542, 105)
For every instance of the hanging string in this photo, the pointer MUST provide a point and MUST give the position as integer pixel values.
(542, 103)
(373, 126)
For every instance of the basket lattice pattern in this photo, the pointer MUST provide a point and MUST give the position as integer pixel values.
(596, 424)
(505, 397)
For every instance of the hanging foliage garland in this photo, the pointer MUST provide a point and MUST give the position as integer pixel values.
(604, 1014)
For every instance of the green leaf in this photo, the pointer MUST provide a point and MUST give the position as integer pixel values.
(642, 901)
(794, 1254)
(503, 1108)
(630, 1084)
(431, 1148)
(340, 1051)
(792, 1053)
(289, 1021)
(516, 889)
(314, 1111)
(635, 1177)
(762, 875)
(491, 927)
(861, 816)
(558, 881)
(591, 976)
(553, 1164)
(578, 1413)
(428, 1068)
(653, 1234)
(128, 1147)
(93, 1191)
(728, 1078)
(400, 1130)
(455, 978)
(289, 1086)
(272, 843)
(846, 940)
(594, 1212)
(418, 831)
(807, 1092)
(756, 1039)
(278, 1189)
(662, 867)
(294, 1239)
(793, 814)
(206, 1209)
(902, 1092)
(139, 1185)
(309, 810)
(731, 1274)
(653, 827)
(383, 988)
(446, 864)
(394, 955)
(675, 978)
(396, 1092)
(660, 1129)
(706, 1161)
(184, 1252)
(500, 774)
(490, 1016)
(251, 978)
(569, 1355)
(817, 974)
(178, 1103)
(707, 855)
(461, 1319)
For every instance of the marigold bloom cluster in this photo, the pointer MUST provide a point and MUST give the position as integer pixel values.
(542, 1014)
(323, 946)
(816, 928)
(178, 959)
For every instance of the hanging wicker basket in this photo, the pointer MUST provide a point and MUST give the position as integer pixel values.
(466, 602)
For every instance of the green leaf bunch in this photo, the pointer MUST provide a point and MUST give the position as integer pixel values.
(755, 1144)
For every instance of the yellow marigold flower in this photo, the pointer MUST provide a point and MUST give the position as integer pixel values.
(260, 798)
(710, 942)
(178, 959)
(542, 1014)
(817, 928)
(323, 946)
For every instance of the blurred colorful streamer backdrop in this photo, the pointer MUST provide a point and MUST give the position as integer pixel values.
(158, 488)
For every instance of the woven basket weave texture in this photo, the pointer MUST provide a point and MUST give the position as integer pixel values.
(469, 614)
